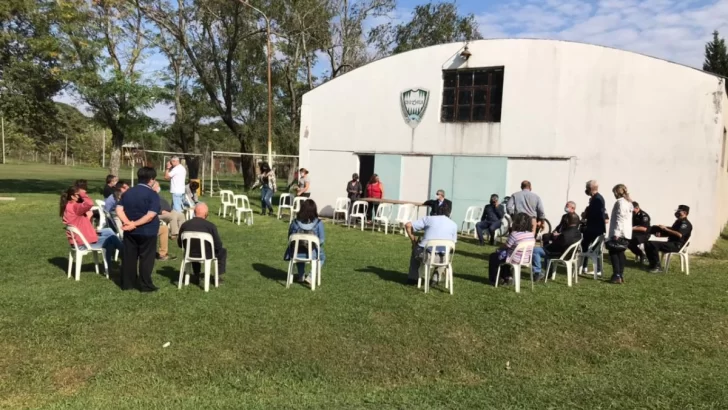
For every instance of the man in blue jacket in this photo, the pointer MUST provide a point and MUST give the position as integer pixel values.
(490, 221)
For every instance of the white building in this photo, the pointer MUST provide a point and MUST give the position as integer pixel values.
(553, 112)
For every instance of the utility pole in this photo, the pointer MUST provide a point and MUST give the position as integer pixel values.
(65, 160)
(2, 124)
(103, 150)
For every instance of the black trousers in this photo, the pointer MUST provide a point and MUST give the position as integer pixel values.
(494, 262)
(373, 206)
(587, 238)
(221, 262)
(653, 249)
(635, 242)
(618, 260)
(138, 259)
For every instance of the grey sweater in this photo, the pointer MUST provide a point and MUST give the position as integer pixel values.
(527, 202)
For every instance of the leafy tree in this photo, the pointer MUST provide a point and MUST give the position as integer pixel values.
(716, 56)
(431, 24)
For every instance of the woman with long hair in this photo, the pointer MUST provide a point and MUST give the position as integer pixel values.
(307, 221)
(267, 183)
(620, 232)
(375, 189)
(521, 231)
(73, 208)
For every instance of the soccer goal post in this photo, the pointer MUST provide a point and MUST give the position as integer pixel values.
(226, 170)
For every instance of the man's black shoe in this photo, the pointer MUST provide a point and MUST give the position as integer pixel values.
(411, 282)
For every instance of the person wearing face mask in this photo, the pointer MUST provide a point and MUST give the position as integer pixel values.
(620, 232)
(640, 232)
(354, 188)
(596, 218)
(569, 209)
(490, 221)
(437, 206)
(676, 235)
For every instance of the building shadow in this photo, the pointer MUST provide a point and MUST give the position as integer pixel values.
(384, 274)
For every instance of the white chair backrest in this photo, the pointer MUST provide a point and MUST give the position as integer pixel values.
(189, 200)
(226, 196)
(596, 245)
(526, 251)
(434, 246)
(203, 238)
(311, 241)
(75, 233)
(100, 203)
(684, 248)
(506, 223)
(285, 200)
(102, 217)
(573, 249)
(241, 201)
(342, 204)
(404, 213)
(473, 213)
(360, 207)
(384, 211)
(297, 203)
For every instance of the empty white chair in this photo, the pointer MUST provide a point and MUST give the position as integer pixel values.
(76, 254)
(359, 212)
(472, 217)
(102, 218)
(285, 202)
(684, 258)
(305, 243)
(383, 216)
(342, 208)
(296, 207)
(595, 253)
(241, 204)
(404, 214)
(526, 251)
(432, 261)
(204, 259)
(226, 201)
(569, 259)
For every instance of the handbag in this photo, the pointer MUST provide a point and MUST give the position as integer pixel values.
(619, 244)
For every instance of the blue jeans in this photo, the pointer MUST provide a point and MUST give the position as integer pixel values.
(538, 254)
(266, 198)
(109, 242)
(177, 200)
(489, 227)
(302, 266)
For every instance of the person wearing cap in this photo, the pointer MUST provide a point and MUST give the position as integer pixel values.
(676, 235)
(640, 232)
(354, 188)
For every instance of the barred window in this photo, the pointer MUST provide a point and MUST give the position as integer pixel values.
(473, 95)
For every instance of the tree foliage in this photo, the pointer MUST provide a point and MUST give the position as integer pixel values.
(716, 56)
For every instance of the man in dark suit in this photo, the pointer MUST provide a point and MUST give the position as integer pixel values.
(437, 206)
(569, 235)
(200, 224)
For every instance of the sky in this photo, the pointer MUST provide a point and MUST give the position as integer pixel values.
(675, 30)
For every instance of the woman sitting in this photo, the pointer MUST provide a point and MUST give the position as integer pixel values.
(74, 206)
(306, 222)
(521, 231)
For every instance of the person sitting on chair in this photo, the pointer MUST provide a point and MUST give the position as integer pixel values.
(200, 224)
(569, 235)
(111, 181)
(307, 222)
(168, 215)
(111, 200)
(191, 192)
(437, 205)
(569, 209)
(640, 232)
(676, 235)
(435, 227)
(490, 221)
(521, 231)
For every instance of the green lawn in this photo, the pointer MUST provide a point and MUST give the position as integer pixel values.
(362, 340)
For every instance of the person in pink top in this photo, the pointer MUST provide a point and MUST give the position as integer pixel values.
(73, 209)
(521, 231)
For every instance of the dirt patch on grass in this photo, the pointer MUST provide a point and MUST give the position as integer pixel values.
(69, 380)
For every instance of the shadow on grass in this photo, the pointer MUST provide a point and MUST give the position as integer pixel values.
(384, 274)
(269, 272)
(169, 272)
(62, 264)
(37, 186)
(482, 256)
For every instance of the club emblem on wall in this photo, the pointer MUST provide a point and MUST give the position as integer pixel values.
(414, 104)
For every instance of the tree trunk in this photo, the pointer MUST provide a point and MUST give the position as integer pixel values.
(193, 166)
(247, 165)
(117, 140)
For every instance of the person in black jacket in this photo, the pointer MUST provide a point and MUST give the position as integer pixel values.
(677, 235)
(437, 206)
(490, 221)
(569, 209)
(200, 224)
(596, 220)
(568, 236)
(354, 188)
(640, 232)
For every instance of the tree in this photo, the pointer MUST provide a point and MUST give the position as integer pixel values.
(104, 43)
(716, 56)
(431, 24)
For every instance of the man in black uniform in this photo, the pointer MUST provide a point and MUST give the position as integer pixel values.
(640, 232)
(677, 235)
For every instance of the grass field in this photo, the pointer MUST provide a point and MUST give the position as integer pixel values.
(363, 340)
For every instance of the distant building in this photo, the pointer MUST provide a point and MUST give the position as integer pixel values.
(553, 112)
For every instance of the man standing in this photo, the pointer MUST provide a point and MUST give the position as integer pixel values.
(177, 174)
(200, 224)
(676, 235)
(436, 227)
(640, 232)
(596, 221)
(439, 205)
(169, 216)
(528, 203)
(490, 221)
(138, 210)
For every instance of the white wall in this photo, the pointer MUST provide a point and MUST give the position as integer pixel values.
(549, 179)
(625, 118)
(329, 172)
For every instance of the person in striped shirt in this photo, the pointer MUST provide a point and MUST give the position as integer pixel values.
(521, 231)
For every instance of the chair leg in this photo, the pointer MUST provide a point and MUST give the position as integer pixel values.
(70, 263)
(314, 271)
(181, 275)
(217, 273)
(568, 274)
(497, 276)
(450, 277)
(548, 270)
(667, 262)
(208, 270)
(427, 278)
(106, 265)
(289, 278)
(318, 273)
(574, 272)
(687, 264)
(517, 277)
(96, 261)
(79, 261)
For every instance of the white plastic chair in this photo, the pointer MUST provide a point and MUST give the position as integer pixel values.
(296, 207)
(432, 262)
(315, 262)
(570, 262)
(404, 215)
(595, 253)
(203, 239)
(190, 210)
(526, 251)
(383, 216)
(102, 218)
(359, 212)
(226, 201)
(100, 203)
(472, 217)
(285, 202)
(241, 204)
(76, 254)
(342, 208)
(684, 258)
(505, 227)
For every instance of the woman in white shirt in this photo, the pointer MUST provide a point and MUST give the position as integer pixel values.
(620, 231)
